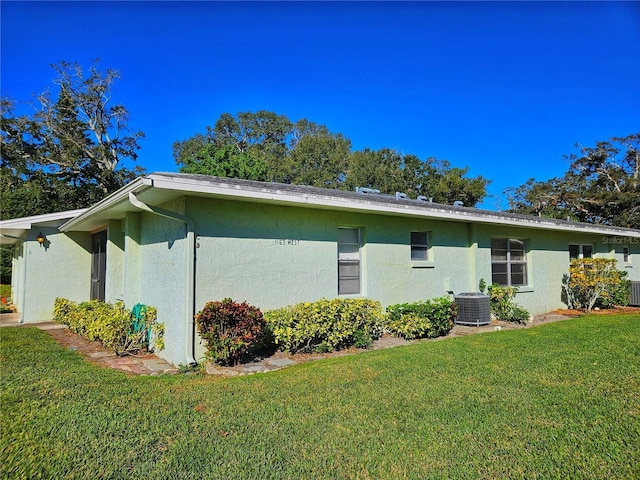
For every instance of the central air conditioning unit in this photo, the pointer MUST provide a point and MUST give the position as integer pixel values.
(635, 294)
(473, 309)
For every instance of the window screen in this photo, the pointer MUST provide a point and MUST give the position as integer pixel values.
(509, 261)
(419, 246)
(348, 261)
(580, 251)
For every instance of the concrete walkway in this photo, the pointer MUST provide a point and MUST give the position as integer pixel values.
(150, 364)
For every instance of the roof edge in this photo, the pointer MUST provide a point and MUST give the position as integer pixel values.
(27, 222)
(306, 196)
(105, 203)
(329, 198)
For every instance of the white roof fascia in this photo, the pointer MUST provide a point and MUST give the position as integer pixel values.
(271, 193)
(15, 229)
(319, 198)
(107, 202)
(25, 223)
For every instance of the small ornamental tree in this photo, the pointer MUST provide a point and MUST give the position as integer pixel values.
(229, 330)
(590, 280)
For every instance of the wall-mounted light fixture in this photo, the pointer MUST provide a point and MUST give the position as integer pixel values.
(41, 239)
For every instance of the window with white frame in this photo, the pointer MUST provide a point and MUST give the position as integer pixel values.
(578, 251)
(348, 261)
(419, 246)
(509, 261)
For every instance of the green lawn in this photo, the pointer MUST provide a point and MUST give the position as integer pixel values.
(557, 401)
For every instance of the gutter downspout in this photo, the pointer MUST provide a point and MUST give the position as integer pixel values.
(24, 273)
(189, 270)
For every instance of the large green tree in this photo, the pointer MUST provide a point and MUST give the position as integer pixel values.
(602, 185)
(248, 145)
(391, 171)
(70, 152)
(318, 158)
(267, 146)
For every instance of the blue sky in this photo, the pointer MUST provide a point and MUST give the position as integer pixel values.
(504, 88)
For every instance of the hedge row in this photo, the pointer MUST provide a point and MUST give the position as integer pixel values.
(231, 329)
(326, 325)
(112, 325)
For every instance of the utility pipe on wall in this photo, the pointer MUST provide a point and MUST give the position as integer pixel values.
(189, 312)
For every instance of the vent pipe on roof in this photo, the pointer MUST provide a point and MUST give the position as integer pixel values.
(189, 307)
(458, 203)
(401, 196)
(365, 190)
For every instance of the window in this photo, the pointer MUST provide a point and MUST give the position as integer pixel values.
(419, 246)
(509, 261)
(625, 254)
(348, 261)
(580, 251)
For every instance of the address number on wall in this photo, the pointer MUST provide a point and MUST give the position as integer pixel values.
(286, 241)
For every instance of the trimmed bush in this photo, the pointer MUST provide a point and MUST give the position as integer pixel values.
(326, 325)
(502, 305)
(111, 325)
(428, 319)
(618, 294)
(230, 330)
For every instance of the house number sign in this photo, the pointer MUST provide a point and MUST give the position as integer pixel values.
(286, 241)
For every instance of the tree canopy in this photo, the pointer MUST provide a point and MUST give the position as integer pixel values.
(270, 147)
(602, 186)
(69, 153)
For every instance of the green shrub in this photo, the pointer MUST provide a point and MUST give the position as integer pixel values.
(142, 328)
(326, 325)
(111, 325)
(618, 294)
(428, 319)
(229, 330)
(503, 307)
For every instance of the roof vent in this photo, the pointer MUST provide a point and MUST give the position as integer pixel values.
(458, 203)
(401, 196)
(369, 191)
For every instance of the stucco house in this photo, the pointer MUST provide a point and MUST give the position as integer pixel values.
(176, 241)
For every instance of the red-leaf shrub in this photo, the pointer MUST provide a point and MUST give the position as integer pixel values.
(229, 330)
